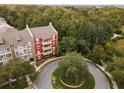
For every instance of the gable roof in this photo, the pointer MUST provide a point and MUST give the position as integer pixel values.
(10, 36)
(44, 32)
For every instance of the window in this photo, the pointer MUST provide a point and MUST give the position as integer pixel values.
(25, 51)
(47, 50)
(46, 40)
(17, 53)
(8, 50)
(8, 55)
(4, 56)
(47, 45)
(25, 57)
(16, 47)
(0, 57)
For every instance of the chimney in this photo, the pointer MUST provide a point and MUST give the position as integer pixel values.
(27, 26)
(50, 23)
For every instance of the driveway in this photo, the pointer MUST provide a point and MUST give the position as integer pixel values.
(44, 81)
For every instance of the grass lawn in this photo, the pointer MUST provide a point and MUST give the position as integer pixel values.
(119, 44)
(89, 82)
(122, 28)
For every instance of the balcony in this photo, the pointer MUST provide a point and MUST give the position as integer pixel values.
(47, 42)
(46, 53)
(46, 48)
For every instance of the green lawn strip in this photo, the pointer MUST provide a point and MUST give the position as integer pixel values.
(89, 82)
(34, 76)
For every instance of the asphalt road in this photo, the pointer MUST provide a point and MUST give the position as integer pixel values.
(44, 81)
(101, 81)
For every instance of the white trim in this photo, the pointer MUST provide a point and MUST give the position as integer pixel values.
(29, 31)
(50, 24)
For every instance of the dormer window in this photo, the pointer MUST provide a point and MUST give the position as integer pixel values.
(1, 40)
(18, 38)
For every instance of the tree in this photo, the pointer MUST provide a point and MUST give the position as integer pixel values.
(116, 68)
(82, 47)
(72, 68)
(15, 69)
(119, 77)
(3, 75)
(97, 54)
(67, 44)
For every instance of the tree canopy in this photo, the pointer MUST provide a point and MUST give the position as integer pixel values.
(116, 68)
(85, 30)
(73, 68)
(15, 69)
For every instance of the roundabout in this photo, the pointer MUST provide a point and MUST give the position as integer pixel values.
(44, 81)
(89, 83)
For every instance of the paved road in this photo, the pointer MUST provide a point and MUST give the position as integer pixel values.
(44, 81)
(101, 81)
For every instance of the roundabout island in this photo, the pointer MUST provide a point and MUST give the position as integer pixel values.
(58, 83)
(61, 74)
(72, 73)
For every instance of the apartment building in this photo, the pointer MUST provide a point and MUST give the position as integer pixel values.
(30, 43)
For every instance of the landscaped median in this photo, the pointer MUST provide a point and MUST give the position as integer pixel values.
(57, 83)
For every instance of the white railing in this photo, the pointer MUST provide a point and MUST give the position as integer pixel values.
(46, 48)
(46, 53)
(48, 42)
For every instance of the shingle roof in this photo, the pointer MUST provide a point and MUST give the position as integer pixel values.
(44, 32)
(25, 36)
(1, 39)
(10, 36)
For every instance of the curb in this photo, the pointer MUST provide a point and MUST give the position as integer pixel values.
(43, 64)
(114, 84)
(70, 86)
